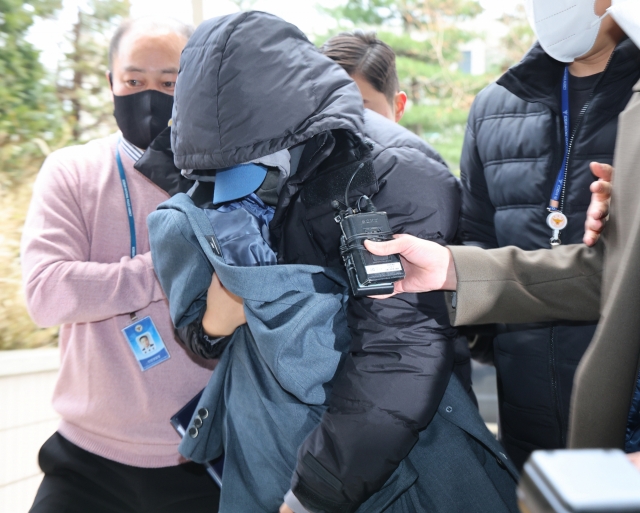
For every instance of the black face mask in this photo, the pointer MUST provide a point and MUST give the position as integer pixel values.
(142, 116)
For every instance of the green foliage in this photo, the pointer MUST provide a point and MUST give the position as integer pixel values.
(17, 330)
(435, 22)
(438, 22)
(28, 120)
(38, 111)
(426, 36)
(519, 38)
(413, 13)
(26, 96)
(364, 12)
(82, 84)
(433, 119)
(36, 116)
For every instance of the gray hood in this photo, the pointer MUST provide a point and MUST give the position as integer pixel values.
(251, 84)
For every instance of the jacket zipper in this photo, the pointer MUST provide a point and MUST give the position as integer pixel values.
(575, 131)
(571, 141)
(554, 387)
(573, 136)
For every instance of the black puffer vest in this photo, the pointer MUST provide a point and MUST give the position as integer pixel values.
(513, 150)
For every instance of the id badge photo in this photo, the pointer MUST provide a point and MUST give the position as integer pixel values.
(146, 343)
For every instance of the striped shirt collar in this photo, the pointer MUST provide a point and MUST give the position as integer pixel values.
(132, 151)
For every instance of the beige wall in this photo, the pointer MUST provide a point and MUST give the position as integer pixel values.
(27, 379)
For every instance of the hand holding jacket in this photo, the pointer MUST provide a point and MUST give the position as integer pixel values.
(224, 312)
(598, 211)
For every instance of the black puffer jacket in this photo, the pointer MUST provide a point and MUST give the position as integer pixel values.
(513, 150)
(252, 85)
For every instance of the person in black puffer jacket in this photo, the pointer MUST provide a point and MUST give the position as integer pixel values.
(371, 63)
(513, 150)
(386, 394)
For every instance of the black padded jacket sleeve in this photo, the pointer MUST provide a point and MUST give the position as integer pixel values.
(476, 227)
(401, 357)
(477, 213)
(199, 343)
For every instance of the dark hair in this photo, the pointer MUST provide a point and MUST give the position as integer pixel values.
(361, 53)
(169, 24)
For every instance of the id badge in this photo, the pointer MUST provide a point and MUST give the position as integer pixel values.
(146, 343)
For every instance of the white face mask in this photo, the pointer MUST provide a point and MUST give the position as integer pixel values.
(627, 15)
(566, 29)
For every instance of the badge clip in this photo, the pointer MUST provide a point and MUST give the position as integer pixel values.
(557, 221)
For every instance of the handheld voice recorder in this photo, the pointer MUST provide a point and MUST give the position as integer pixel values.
(369, 274)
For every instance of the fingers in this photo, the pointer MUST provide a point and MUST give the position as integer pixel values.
(601, 188)
(592, 226)
(599, 208)
(590, 238)
(383, 297)
(600, 200)
(597, 212)
(595, 221)
(399, 244)
(602, 171)
(592, 229)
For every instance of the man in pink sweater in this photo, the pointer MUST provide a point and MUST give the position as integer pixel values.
(87, 266)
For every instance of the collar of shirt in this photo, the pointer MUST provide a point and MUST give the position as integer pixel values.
(132, 151)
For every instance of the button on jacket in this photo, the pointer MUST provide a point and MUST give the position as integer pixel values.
(513, 150)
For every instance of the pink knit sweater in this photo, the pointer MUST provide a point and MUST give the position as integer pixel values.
(78, 273)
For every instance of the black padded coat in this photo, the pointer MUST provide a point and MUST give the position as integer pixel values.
(513, 150)
(252, 85)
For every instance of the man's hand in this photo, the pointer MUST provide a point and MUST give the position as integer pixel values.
(600, 200)
(285, 509)
(225, 311)
(427, 265)
(635, 459)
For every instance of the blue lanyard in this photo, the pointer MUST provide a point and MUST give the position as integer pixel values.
(127, 200)
(557, 189)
